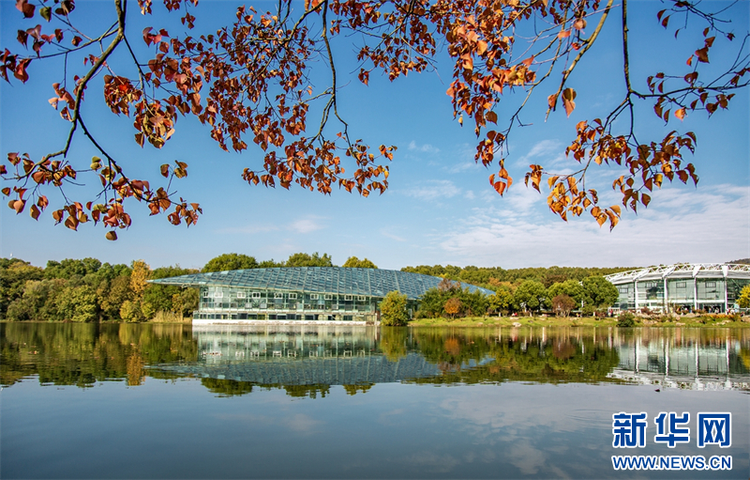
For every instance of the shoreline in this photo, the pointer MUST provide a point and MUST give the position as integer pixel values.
(703, 321)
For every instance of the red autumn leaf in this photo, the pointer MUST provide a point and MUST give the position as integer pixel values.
(20, 70)
(34, 212)
(702, 54)
(26, 8)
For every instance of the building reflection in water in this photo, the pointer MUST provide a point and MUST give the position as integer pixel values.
(299, 355)
(349, 355)
(716, 362)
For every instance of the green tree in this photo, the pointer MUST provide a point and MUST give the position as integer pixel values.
(599, 292)
(307, 260)
(113, 295)
(28, 305)
(14, 273)
(431, 304)
(69, 268)
(110, 272)
(502, 300)
(159, 298)
(39, 301)
(532, 295)
(474, 303)
(185, 302)
(78, 304)
(130, 311)
(354, 262)
(230, 261)
(393, 310)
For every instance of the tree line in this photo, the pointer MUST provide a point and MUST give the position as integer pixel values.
(591, 296)
(87, 290)
(489, 277)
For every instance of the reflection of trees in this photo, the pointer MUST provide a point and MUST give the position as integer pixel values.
(468, 356)
(227, 388)
(354, 389)
(393, 342)
(310, 391)
(135, 368)
(82, 354)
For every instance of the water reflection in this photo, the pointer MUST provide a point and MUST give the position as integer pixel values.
(83, 354)
(308, 360)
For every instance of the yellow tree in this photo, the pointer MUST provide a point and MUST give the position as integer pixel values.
(139, 278)
(452, 307)
(744, 300)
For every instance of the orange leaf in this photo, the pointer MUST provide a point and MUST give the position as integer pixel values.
(702, 54)
(568, 96)
(552, 101)
(18, 205)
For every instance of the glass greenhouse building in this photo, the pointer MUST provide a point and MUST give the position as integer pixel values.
(686, 286)
(301, 293)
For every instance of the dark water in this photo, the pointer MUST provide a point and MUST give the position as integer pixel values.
(167, 401)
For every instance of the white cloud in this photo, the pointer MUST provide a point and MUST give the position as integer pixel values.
(708, 225)
(249, 229)
(384, 232)
(549, 153)
(306, 225)
(302, 225)
(425, 148)
(465, 166)
(433, 190)
(544, 148)
(469, 195)
(299, 423)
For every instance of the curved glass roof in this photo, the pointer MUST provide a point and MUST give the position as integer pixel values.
(373, 282)
(682, 270)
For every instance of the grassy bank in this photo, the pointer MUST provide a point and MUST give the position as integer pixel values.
(718, 320)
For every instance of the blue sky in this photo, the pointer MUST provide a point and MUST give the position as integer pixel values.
(439, 209)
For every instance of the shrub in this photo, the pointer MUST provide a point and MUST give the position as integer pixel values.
(393, 310)
(626, 320)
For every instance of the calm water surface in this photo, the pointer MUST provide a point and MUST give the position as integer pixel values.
(171, 401)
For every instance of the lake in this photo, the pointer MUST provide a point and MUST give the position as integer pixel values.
(174, 401)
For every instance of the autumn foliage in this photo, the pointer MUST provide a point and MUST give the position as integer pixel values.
(249, 83)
